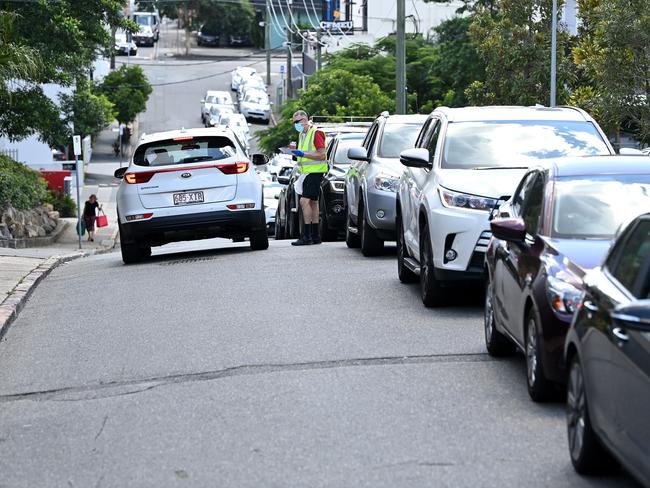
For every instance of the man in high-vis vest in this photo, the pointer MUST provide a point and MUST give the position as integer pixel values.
(311, 158)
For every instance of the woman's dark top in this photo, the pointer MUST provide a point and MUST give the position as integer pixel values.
(90, 209)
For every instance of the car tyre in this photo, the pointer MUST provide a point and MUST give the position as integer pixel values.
(540, 388)
(351, 239)
(326, 233)
(279, 230)
(133, 253)
(371, 244)
(404, 274)
(431, 290)
(588, 456)
(259, 240)
(496, 343)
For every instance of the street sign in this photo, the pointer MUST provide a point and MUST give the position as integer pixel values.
(76, 142)
(282, 69)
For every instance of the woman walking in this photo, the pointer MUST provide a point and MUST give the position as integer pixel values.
(90, 214)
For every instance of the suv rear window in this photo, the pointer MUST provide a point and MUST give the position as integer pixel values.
(184, 150)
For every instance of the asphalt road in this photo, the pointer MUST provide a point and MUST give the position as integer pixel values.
(211, 365)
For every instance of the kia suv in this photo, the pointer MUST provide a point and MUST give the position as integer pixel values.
(467, 161)
(189, 184)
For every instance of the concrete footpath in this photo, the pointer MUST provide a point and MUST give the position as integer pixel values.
(22, 269)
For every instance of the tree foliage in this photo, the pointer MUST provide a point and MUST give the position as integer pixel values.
(20, 186)
(128, 89)
(85, 110)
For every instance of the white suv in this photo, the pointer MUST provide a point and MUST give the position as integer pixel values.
(467, 161)
(189, 184)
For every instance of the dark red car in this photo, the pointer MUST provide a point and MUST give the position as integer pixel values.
(559, 223)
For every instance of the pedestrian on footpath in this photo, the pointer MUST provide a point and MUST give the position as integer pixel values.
(90, 215)
(311, 158)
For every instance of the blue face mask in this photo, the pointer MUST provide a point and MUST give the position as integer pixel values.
(299, 127)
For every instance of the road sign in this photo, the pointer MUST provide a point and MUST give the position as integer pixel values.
(76, 142)
(282, 69)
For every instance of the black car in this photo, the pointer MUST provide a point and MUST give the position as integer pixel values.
(208, 36)
(332, 203)
(608, 353)
(239, 40)
(557, 226)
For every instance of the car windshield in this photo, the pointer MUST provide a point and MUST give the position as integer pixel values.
(593, 207)
(398, 137)
(209, 30)
(143, 19)
(183, 150)
(257, 98)
(470, 145)
(219, 99)
(341, 156)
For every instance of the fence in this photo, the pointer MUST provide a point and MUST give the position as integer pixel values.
(11, 153)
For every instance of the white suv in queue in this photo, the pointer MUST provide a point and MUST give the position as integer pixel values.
(466, 162)
(189, 184)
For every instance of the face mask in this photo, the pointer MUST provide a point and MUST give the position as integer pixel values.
(299, 127)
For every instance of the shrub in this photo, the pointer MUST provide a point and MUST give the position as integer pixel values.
(62, 203)
(20, 186)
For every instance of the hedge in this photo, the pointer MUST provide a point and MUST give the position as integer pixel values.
(20, 186)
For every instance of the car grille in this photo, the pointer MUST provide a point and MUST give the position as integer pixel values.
(477, 260)
(483, 241)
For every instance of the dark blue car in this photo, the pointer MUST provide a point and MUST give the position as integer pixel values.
(608, 353)
(558, 225)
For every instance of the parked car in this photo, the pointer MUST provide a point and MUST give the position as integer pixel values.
(189, 184)
(218, 115)
(215, 98)
(278, 162)
(123, 45)
(332, 203)
(466, 162)
(250, 85)
(239, 125)
(371, 181)
(149, 23)
(256, 105)
(272, 190)
(240, 74)
(208, 35)
(608, 357)
(557, 226)
(238, 40)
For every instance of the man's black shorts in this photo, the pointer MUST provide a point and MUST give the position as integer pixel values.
(311, 186)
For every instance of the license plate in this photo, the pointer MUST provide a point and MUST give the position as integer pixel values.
(188, 198)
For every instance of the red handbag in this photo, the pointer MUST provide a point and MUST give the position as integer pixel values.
(102, 220)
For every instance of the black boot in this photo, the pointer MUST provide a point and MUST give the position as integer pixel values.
(315, 236)
(305, 240)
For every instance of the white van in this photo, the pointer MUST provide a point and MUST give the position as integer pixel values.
(149, 23)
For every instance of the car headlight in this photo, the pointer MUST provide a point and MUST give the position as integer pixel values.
(563, 297)
(337, 186)
(465, 200)
(387, 183)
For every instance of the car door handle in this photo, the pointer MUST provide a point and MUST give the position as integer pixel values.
(589, 305)
(620, 334)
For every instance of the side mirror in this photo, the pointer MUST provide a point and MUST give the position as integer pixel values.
(415, 158)
(119, 173)
(283, 180)
(513, 230)
(358, 154)
(260, 159)
(634, 315)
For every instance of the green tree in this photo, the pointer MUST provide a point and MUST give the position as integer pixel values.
(614, 54)
(515, 45)
(229, 18)
(335, 93)
(128, 89)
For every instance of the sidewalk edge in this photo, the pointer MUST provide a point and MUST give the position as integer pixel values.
(15, 301)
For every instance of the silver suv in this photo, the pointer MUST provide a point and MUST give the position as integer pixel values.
(372, 180)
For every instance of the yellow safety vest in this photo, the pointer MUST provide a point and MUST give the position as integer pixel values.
(306, 144)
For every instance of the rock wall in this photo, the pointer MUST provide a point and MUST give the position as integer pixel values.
(36, 222)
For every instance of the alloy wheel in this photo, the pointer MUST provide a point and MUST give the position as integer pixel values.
(488, 314)
(531, 352)
(576, 410)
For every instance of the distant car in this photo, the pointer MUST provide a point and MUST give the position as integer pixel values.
(279, 161)
(332, 203)
(256, 106)
(646, 151)
(123, 45)
(557, 226)
(240, 74)
(466, 162)
(608, 358)
(216, 98)
(217, 113)
(272, 190)
(252, 84)
(208, 35)
(239, 40)
(372, 180)
(239, 125)
(189, 184)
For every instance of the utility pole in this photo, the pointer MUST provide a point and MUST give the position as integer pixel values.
(554, 55)
(289, 84)
(267, 43)
(319, 57)
(400, 58)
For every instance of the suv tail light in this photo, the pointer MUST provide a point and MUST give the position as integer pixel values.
(233, 168)
(137, 178)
